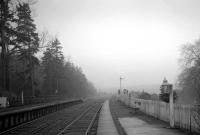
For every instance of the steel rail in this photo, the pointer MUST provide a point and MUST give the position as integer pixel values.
(77, 119)
(26, 123)
(93, 120)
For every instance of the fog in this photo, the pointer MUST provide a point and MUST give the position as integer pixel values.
(137, 39)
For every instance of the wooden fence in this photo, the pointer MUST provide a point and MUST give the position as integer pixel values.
(185, 116)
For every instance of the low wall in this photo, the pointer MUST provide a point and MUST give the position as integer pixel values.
(13, 118)
(184, 115)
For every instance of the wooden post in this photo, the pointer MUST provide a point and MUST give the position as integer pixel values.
(171, 107)
(22, 97)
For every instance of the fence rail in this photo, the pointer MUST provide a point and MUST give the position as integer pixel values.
(185, 116)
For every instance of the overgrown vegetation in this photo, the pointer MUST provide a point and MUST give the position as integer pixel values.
(189, 79)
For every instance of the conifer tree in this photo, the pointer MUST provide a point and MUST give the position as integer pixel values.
(52, 63)
(28, 40)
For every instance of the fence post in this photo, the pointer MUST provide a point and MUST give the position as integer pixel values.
(171, 109)
(190, 119)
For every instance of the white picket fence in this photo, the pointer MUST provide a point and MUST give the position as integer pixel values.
(183, 114)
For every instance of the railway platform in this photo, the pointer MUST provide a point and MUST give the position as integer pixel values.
(106, 125)
(136, 123)
(15, 117)
(136, 126)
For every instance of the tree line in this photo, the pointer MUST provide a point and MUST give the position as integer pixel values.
(20, 67)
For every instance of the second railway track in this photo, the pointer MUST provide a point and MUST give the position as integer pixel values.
(77, 119)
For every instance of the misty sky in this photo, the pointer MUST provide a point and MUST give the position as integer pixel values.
(137, 39)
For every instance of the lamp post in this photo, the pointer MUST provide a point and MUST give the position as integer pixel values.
(120, 82)
(56, 91)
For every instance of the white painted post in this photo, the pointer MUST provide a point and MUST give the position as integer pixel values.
(22, 96)
(171, 105)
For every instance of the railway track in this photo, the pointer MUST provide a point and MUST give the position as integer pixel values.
(78, 119)
(83, 124)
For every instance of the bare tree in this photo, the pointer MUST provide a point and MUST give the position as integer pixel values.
(189, 79)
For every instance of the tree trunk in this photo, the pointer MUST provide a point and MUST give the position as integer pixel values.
(4, 49)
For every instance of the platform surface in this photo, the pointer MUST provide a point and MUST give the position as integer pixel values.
(136, 126)
(12, 110)
(106, 125)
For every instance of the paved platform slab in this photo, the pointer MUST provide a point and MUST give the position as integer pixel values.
(106, 125)
(136, 126)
